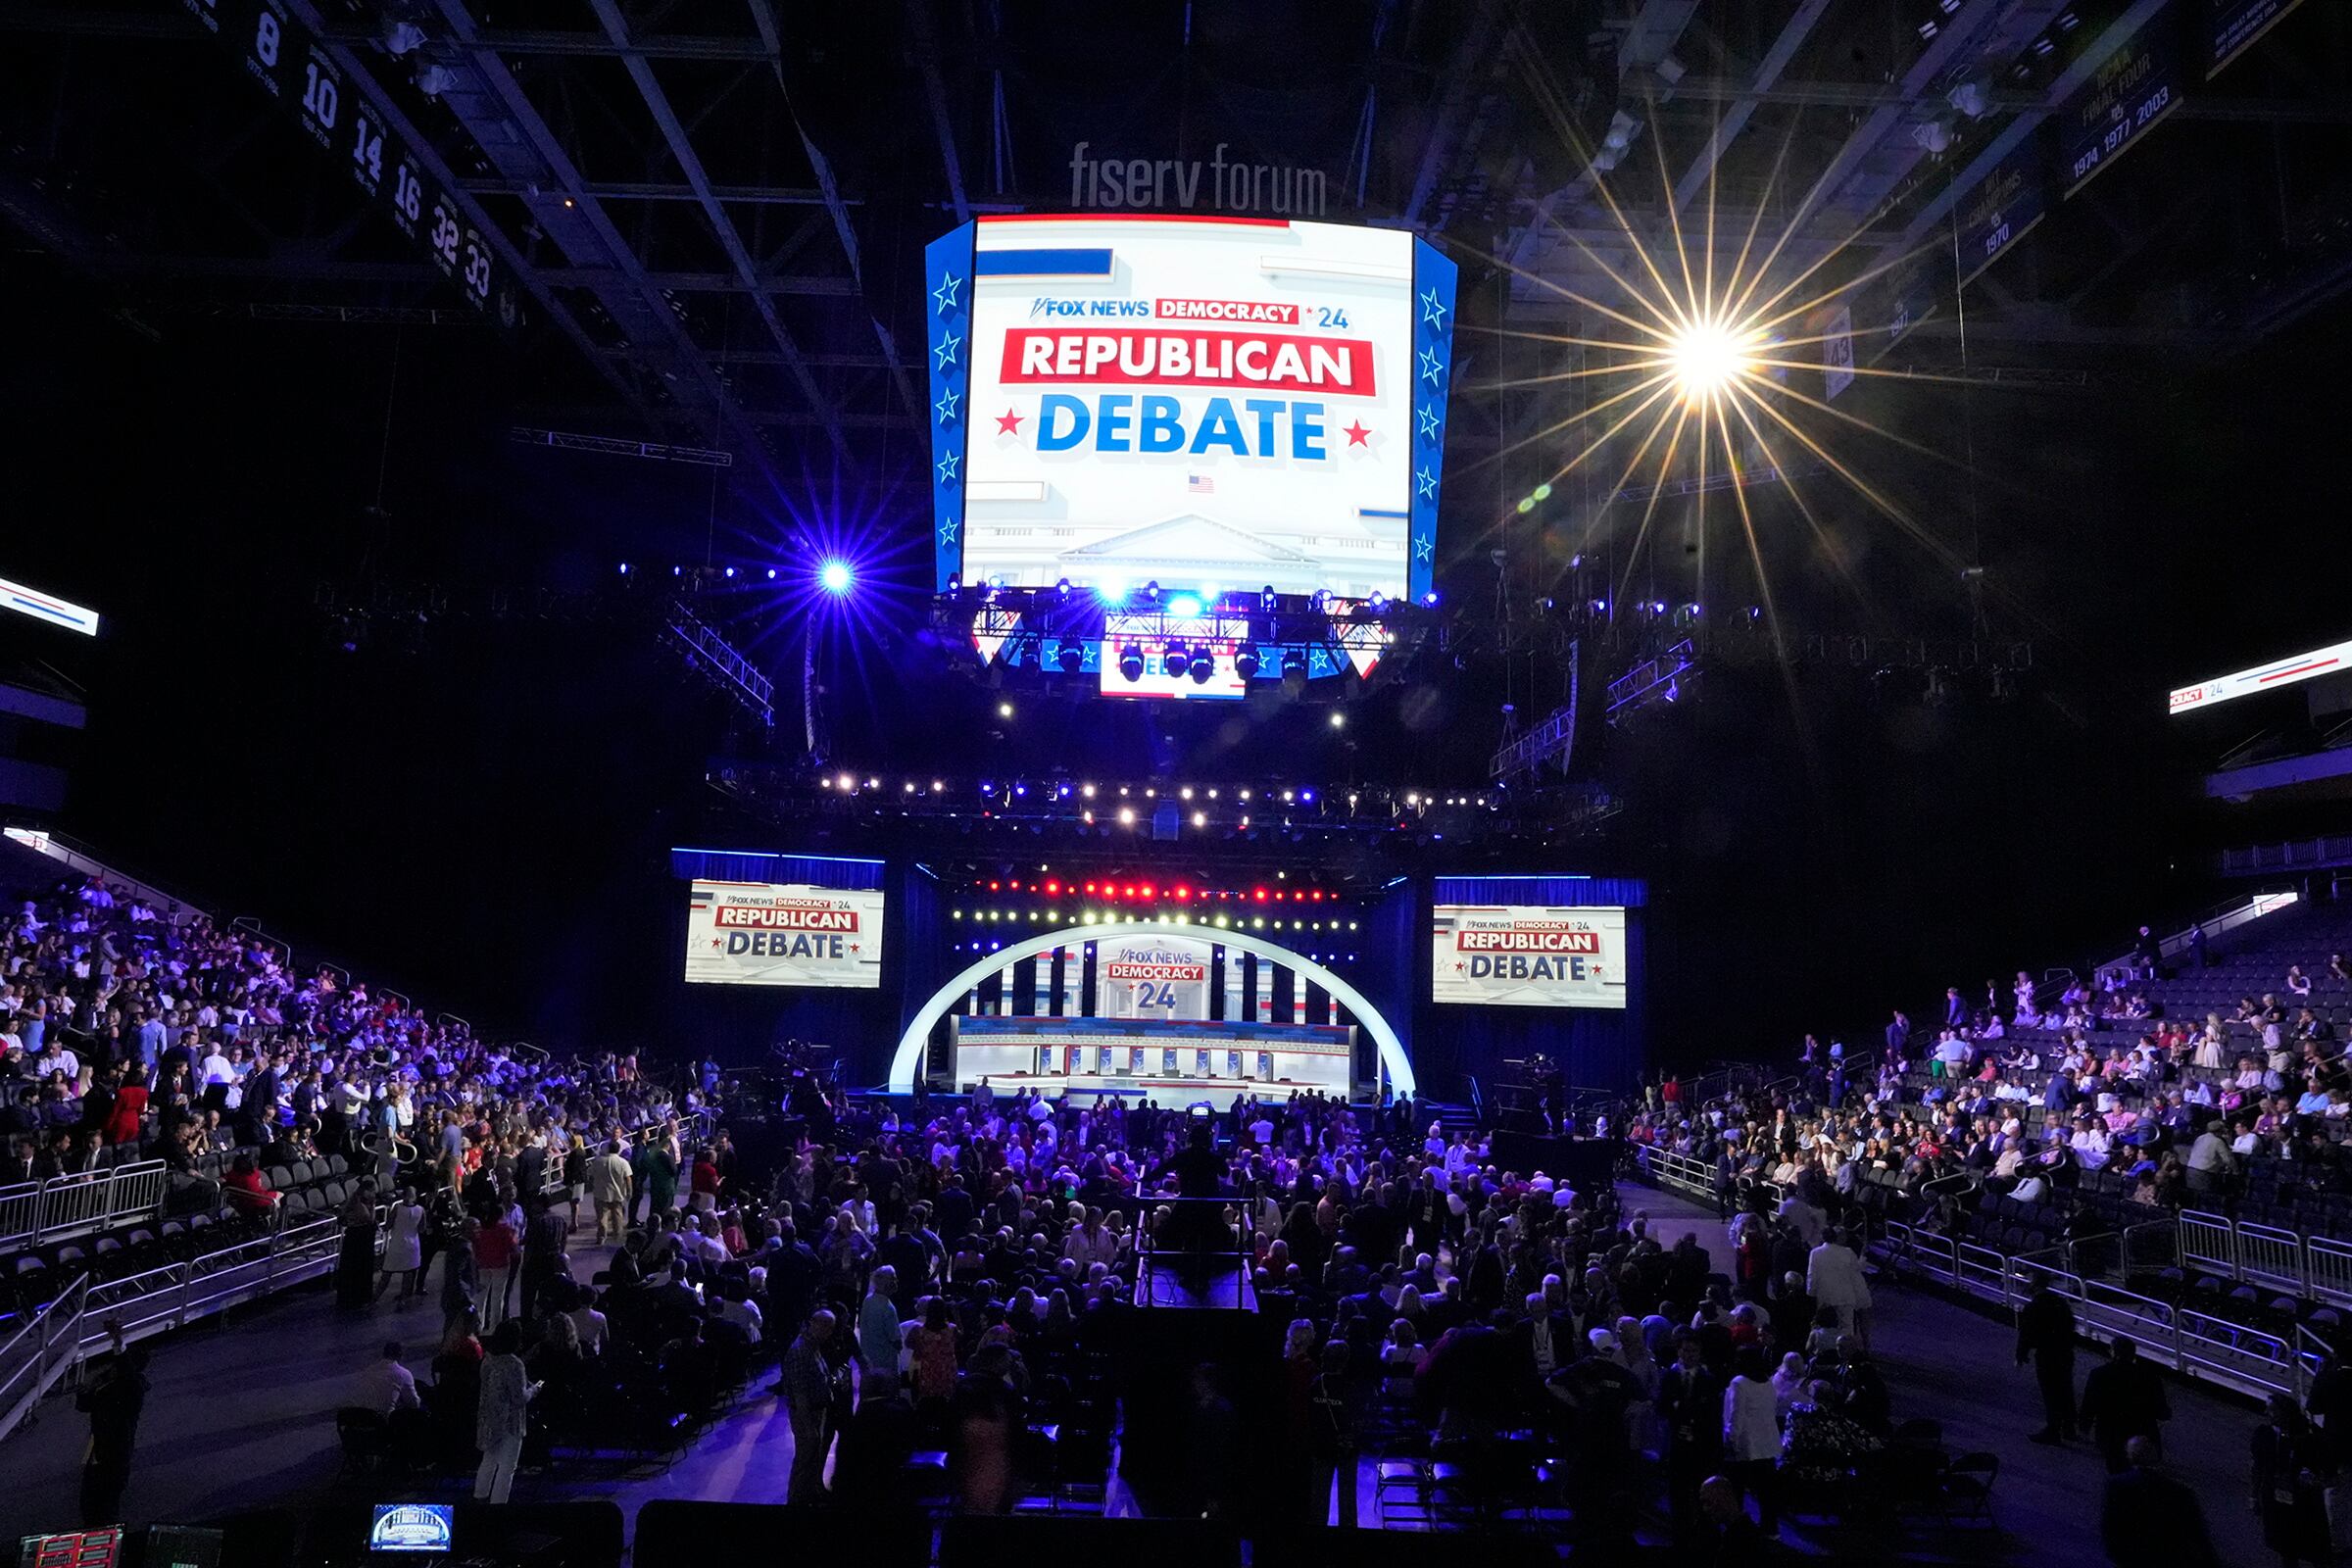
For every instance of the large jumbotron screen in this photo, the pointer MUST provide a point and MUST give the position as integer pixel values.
(783, 934)
(1211, 404)
(1523, 955)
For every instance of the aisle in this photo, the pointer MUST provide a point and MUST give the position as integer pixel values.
(1954, 1365)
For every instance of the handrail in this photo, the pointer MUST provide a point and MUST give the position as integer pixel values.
(76, 856)
(253, 927)
(36, 1346)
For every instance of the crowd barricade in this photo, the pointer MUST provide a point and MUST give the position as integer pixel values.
(2268, 1255)
(32, 1212)
(34, 1356)
(2208, 1239)
(2330, 1266)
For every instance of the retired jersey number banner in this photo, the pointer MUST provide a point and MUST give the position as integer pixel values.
(783, 934)
(1152, 977)
(1527, 955)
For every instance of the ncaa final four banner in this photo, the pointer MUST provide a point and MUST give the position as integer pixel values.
(1523, 955)
(783, 934)
(1152, 977)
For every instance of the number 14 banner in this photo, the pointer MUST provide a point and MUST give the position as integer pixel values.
(277, 53)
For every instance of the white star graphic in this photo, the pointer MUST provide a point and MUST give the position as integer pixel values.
(946, 407)
(1432, 310)
(949, 283)
(946, 350)
(947, 530)
(1431, 364)
(1428, 482)
(947, 469)
(1421, 547)
(1428, 420)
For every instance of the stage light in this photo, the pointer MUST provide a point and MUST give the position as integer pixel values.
(1122, 789)
(1111, 590)
(1052, 890)
(1260, 895)
(624, 569)
(1186, 793)
(730, 572)
(1183, 893)
(1070, 656)
(1175, 660)
(1708, 355)
(677, 571)
(1131, 663)
(1378, 602)
(1246, 661)
(1294, 664)
(1147, 890)
(1268, 598)
(1087, 789)
(1289, 796)
(845, 782)
(1339, 721)
(1003, 710)
(771, 574)
(1126, 816)
(956, 582)
(1241, 795)
(1061, 586)
(1199, 819)
(907, 787)
(1184, 606)
(1020, 789)
(1204, 667)
(836, 576)
(1429, 597)
(937, 786)
(1309, 796)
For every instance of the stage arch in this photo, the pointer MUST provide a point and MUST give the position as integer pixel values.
(908, 1060)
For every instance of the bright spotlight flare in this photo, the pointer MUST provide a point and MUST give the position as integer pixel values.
(836, 576)
(1710, 354)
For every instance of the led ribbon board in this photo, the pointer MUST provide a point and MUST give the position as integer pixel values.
(2264, 677)
(47, 607)
(1210, 404)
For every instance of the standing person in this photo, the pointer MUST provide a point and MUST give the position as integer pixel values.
(1691, 1403)
(545, 1236)
(2045, 1332)
(661, 1181)
(1751, 1436)
(880, 1336)
(404, 1247)
(1333, 1438)
(2290, 1466)
(495, 1245)
(502, 1414)
(611, 1186)
(1834, 1278)
(2124, 1399)
(112, 1401)
(805, 1381)
(355, 1266)
(2148, 1517)
(460, 1277)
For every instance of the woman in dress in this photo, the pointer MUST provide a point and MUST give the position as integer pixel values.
(404, 1247)
(355, 1267)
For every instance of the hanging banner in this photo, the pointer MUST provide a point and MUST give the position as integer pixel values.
(2129, 97)
(1835, 330)
(1152, 977)
(783, 934)
(1523, 955)
(2001, 210)
(2237, 25)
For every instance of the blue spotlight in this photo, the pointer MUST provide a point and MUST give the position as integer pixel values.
(1111, 590)
(730, 572)
(1429, 597)
(771, 574)
(1184, 606)
(836, 576)
(624, 569)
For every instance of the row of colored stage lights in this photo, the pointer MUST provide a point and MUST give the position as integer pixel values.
(1255, 922)
(1181, 891)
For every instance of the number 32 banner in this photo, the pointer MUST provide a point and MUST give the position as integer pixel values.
(1521, 955)
(783, 934)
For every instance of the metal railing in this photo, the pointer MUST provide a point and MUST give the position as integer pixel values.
(2297, 854)
(33, 1212)
(76, 856)
(37, 1355)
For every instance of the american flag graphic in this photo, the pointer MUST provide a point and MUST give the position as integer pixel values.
(1199, 484)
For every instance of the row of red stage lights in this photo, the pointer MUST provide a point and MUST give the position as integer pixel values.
(1180, 891)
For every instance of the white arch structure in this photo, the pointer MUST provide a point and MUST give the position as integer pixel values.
(907, 1062)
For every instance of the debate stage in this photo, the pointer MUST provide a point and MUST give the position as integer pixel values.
(1170, 1061)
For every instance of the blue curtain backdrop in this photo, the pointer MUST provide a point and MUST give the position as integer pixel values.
(1596, 1048)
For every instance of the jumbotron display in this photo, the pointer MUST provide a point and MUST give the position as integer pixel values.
(1207, 404)
(1525, 955)
(783, 934)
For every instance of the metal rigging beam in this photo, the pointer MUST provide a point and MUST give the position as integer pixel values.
(690, 165)
(1734, 119)
(763, 17)
(926, 55)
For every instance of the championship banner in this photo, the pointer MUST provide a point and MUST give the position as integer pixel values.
(2237, 26)
(1152, 977)
(783, 934)
(1525, 955)
(2128, 98)
(2003, 210)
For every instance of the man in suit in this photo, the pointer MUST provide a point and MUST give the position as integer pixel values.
(1542, 1342)
(2045, 1332)
(2148, 1517)
(1691, 1403)
(2124, 1399)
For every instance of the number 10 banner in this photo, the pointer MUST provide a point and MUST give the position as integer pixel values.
(276, 52)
